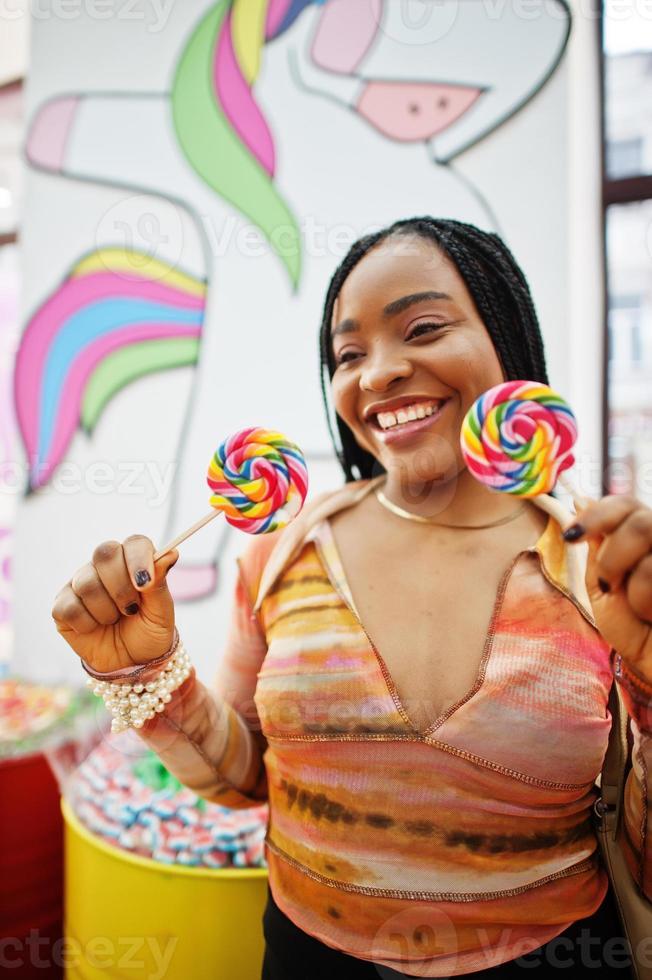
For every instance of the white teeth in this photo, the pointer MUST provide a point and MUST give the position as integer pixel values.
(409, 413)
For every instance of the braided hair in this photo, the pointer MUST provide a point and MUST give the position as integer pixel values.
(498, 287)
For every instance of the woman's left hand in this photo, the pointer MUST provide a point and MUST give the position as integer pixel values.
(619, 575)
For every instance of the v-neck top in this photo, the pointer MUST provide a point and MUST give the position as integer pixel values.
(322, 535)
(437, 852)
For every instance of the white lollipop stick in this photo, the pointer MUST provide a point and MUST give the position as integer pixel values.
(579, 500)
(186, 534)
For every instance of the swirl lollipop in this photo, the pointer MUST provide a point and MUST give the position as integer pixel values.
(518, 438)
(258, 480)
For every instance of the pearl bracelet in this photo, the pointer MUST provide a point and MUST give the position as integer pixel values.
(133, 704)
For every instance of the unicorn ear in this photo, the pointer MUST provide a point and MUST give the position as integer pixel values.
(344, 34)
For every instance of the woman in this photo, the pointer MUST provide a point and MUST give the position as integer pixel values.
(430, 805)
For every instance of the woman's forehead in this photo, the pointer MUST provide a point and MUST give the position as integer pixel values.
(394, 269)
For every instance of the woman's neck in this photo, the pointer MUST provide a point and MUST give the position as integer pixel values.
(460, 500)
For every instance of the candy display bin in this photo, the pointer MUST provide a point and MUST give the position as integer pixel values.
(31, 886)
(129, 916)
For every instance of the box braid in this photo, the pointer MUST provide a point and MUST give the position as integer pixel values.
(500, 292)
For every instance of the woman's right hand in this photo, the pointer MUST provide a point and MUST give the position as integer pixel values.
(117, 611)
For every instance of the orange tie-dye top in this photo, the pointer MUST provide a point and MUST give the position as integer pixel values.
(440, 852)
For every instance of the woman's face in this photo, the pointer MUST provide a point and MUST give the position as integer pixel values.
(412, 354)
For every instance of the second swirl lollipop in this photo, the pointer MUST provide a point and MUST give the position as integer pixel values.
(518, 438)
(258, 479)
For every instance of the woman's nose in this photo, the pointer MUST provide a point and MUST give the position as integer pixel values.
(380, 371)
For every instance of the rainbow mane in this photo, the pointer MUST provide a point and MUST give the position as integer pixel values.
(218, 123)
(105, 326)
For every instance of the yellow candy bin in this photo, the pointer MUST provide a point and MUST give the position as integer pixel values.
(128, 916)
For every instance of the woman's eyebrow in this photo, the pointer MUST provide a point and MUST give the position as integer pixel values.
(399, 305)
(396, 306)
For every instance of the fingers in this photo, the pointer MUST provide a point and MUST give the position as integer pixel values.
(139, 558)
(111, 569)
(70, 613)
(89, 589)
(625, 547)
(639, 590)
(602, 517)
(619, 530)
(121, 579)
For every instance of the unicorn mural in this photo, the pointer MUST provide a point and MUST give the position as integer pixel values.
(289, 127)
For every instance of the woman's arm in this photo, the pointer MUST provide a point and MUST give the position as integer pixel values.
(210, 737)
(637, 818)
(619, 584)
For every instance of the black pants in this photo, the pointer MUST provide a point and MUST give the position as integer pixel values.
(593, 947)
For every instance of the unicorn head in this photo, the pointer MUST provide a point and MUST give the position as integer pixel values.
(448, 77)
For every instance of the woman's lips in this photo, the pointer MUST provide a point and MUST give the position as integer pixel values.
(405, 430)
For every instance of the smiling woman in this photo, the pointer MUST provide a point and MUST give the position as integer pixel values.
(418, 669)
(483, 626)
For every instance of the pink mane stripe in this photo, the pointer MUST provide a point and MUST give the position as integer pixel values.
(73, 295)
(68, 410)
(276, 11)
(234, 96)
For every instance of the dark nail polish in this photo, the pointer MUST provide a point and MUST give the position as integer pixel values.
(604, 586)
(574, 532)
(142, 577)
(132, 609)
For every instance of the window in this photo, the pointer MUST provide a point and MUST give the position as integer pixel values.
(625, 157)
(627, 198)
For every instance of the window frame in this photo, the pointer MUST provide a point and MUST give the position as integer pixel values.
(618, 190)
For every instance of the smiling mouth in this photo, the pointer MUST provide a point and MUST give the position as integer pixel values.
(408, 421)
(386, 421)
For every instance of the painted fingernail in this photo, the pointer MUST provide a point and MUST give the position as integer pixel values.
(574, 532)
(142, 577)
(604, 586)
(132, 609)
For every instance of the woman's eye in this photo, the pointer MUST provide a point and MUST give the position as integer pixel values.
(425, 327)
(345, 356)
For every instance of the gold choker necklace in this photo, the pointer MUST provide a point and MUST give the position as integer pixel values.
(382, 499)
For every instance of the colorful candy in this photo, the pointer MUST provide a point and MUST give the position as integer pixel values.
(160, 819)
(518, 438)
(35, 716)
(259, 479)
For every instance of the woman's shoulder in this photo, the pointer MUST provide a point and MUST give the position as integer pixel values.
(265, 555)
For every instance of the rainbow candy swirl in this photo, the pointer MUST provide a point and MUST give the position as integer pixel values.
(518, 438)
(259, 479)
